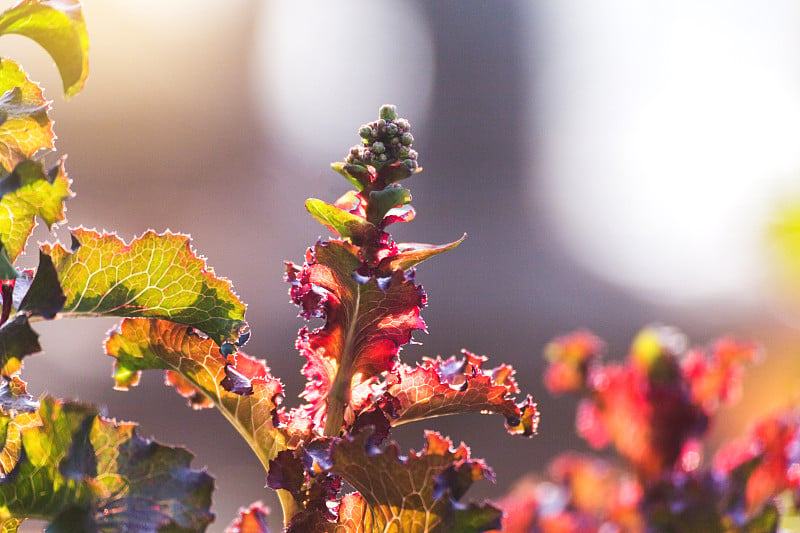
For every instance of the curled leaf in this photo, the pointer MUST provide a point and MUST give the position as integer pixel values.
(142, 344)
(252, 519)
(58, 27)
(443, 387)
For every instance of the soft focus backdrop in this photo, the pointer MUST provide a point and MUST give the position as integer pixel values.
(614, 164)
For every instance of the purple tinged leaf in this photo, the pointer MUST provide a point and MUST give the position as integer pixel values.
(286, 472)
(443, 387)
(364, 327)
(251, 520)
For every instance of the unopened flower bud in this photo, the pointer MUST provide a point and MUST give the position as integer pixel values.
(388, 112)
(382, 158)
(378, 148)
(407, 139)
(403, 152)
(355, 151)
(403, 124)
(410, 164)
(381, 124)
(391, 129)
(365, 131)
(412, 154)
(395, 140)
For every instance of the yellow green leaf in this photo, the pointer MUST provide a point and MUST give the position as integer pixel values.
(155, 276)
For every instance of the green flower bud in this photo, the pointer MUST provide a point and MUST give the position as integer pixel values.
(403, 124)
(403, 152)
(395, 140)
(407, 139)
(388, 112)
(410, 164)
(391, 129)
(365, 131)
(382, 158)
(378, 148)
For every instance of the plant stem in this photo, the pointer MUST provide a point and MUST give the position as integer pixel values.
(339, 395)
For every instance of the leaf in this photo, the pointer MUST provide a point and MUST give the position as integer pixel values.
(366, 323)
(17, 340)
(25, 128)
(338, 220)
(58, 27)
(413, 253)
(44, 297)
(359, 176)
(381, 202)
(251, 520)
(155, 276)
(413, 494)
(443, 387)
(142, 344)
(76, 467)
(29, 192)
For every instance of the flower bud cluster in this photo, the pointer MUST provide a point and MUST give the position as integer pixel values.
(385, 141)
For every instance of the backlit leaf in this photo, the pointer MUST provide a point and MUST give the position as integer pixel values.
(142, 344)
(410, 254)
(86, 473)
(414, 494)
(443, 387)
(338, 220)
(58, 27)
(30, 192)
(25, 128)
(155, 276)
(250, 520)
(366, 323)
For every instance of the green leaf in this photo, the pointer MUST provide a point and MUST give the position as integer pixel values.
(17, 340)
(413, 253)
(155, 276)
(156, 344)
(414, 494)
(29, 192)
(380, 202)
(357, 175)
(25, 128)
(338, 220)
(77, 467)
(58, 27)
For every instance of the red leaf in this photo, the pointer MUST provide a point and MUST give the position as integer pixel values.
(365, 325)
(251, 520)
(442, 387)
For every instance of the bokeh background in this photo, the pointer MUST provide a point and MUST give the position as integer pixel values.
(614, 164)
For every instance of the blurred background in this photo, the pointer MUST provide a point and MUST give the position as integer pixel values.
(614, 164)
